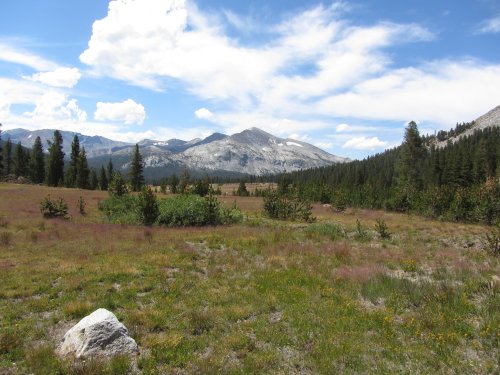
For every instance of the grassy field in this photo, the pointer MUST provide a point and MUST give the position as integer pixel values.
(261, 297)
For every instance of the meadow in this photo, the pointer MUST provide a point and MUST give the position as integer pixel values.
(263, 296)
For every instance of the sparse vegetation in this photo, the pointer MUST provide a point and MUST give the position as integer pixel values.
(283, 205)
(361, 234)
(492, 244)
(260, 296)
(81, 205)
(382, 229)
(51, 208)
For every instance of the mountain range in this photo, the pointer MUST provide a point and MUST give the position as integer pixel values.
(253, 151)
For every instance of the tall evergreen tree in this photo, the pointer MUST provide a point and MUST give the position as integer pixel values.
(37, 162)
(173, 182)
(82, 170)
(55, 163)
(93, 180)
(20, 161)
(184, 182)
(7, 155)
(136, 170)
(110, 171)
(72, 171)
(412, 154)
(103, 179)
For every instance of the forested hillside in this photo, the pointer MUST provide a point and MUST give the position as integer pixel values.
(456, 182)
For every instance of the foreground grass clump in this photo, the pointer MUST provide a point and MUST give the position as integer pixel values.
(261, 296)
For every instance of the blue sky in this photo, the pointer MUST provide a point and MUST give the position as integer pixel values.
(345, 76)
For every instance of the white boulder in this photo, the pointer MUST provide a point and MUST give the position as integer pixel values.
(98, 334)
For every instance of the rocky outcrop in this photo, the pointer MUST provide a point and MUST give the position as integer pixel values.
(98, 334)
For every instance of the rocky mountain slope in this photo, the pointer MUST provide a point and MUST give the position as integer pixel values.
(252, 151)
(490, 119)
(94, 145)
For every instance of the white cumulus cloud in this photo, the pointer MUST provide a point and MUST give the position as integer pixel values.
(204, 114)
(127, 111)
(315, 67)
(60, 77)
(364, 143)
(54, 107)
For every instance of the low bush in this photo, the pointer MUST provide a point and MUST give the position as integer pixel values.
(54, 208)
(492, 244)
(81, 205)
(185, 210)
(179, 210)
(382, 229)
(148, 206)
(287, 207)
(361, 234)
(121, 209)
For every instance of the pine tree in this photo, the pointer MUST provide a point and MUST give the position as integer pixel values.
(103, 179)
(55, 164)
(242, 190)
(82, 170)
(72, 172)
(93, 180)
(110, 171)
(412, 154)
(8, 157)
(136, 176)
(173, 182)
(19, 161)
(184, 182)
(37, 162)
(202, 187)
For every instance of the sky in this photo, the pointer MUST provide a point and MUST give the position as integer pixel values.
(346, 76)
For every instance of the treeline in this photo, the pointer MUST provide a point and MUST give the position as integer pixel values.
(458, 182)
(50, 168)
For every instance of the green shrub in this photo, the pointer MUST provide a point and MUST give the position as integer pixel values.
(339, 201)
(117, 186)
(382, 229)
(492, 244)
(361, 234)
(185, 210)
(287, 206)
(121, 209)
(81, 205)
(54, 208)
(148, 206)
(179, 210)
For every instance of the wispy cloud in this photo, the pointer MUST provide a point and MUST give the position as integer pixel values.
(15, 55)
(489, 26)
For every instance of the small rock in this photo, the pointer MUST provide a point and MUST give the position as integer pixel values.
(98, 334)
(275, 317)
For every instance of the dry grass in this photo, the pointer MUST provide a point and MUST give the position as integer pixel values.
(260, 297)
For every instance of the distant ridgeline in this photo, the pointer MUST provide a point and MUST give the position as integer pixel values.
(458, 181)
